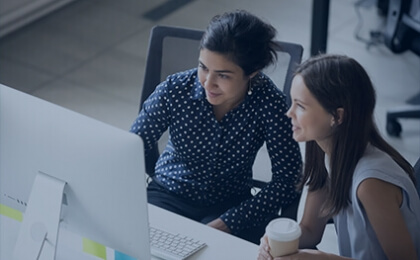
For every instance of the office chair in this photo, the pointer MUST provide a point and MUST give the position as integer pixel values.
(402, 33)
(174, 49)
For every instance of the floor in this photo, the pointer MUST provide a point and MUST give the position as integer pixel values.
(90, 56)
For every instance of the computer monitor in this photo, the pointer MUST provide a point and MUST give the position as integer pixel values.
(64, 171)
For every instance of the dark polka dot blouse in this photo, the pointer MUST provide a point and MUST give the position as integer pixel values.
(208, 161)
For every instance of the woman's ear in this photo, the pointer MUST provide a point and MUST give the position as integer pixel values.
(338, 118)
(340, 115)
(253, 74)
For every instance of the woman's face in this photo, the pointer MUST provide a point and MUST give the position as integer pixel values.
(224, 81)
(311, 122)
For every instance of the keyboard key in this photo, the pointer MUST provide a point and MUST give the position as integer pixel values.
(173, 247)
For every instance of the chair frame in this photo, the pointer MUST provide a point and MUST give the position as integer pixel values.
(152, 75)
(402, 33)
(416, 168)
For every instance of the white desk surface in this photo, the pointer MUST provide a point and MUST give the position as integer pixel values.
(220, 245)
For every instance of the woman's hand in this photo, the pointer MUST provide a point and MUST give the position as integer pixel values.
(302, 254)
(311, 254)
(264, 249)
(220, 225)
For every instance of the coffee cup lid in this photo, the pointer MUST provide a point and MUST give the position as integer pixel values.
(283, 229)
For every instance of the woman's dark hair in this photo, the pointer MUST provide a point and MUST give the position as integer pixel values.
(341, 82)
(244, 38)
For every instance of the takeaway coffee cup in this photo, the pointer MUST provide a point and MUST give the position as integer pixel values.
(283, 236)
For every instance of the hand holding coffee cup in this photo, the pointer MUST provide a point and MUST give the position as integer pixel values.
(283, 236)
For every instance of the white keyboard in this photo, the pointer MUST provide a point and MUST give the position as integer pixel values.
(172, 247)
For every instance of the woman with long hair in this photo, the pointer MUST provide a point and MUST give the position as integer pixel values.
(353, 175)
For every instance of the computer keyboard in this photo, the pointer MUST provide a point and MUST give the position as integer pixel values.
(172, 246)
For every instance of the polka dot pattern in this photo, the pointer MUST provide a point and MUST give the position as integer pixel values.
(208, 161)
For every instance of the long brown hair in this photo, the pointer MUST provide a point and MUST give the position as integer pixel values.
(341, 82)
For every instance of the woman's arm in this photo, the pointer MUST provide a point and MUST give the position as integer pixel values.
(381, 201)
(220, 225)
(312, 223)
(153, 119)
(270, 123)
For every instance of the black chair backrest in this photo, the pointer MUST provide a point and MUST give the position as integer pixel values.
(417, 174)
(174, 49)
(402, 31)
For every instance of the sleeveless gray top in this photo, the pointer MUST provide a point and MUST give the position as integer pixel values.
(356, 237)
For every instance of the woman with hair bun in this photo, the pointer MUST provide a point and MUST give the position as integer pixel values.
(219, 115)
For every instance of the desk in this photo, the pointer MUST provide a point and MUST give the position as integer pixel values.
(220, 245)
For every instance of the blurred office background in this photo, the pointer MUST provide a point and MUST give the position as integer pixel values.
(89, 55)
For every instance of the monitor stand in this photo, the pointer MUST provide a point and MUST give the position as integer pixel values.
(39, 230)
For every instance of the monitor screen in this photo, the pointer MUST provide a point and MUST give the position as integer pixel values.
(58, 165)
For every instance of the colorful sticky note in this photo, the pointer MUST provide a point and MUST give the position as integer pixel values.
(122, 256)
(94, 248)
(11, 213)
